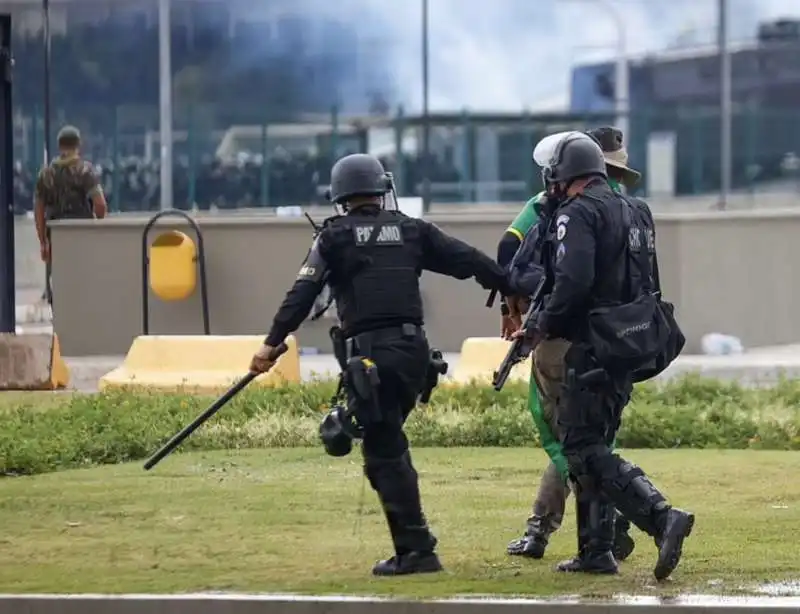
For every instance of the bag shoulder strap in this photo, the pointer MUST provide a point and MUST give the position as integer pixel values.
(640, 259)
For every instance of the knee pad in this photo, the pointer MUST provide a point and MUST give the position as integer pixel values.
(627, 479)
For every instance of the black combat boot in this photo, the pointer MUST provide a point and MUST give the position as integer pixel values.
(534, 542)
(677, 526)
(623, 542)
(643, 504)
(595, 538)
(395, 481)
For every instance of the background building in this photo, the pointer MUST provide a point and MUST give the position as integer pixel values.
(679, 92)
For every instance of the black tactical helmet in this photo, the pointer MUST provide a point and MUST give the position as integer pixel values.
(337, 431)
(568, 155)
(357, 175)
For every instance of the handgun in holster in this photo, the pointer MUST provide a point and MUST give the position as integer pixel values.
(436, 366)
(582, 370)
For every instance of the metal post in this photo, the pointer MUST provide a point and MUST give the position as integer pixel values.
(400, 158)
(116, 197)
(192, 200)
(334, 143)
(621, 76)
(165, 102)
(724, 104)
(621, 68)
(426, 120)
(8, 318)
(264, 165)
(46, 41)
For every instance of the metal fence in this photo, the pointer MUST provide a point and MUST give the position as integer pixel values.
(473, 158)
(264, 100)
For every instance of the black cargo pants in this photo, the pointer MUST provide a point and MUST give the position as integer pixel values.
(589, 419)
(401, 356)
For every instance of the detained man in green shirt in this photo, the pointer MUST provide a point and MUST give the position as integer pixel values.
(550, 502)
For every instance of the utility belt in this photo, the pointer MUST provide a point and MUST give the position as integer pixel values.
(362, 343)
(356, 400)
(358, 371)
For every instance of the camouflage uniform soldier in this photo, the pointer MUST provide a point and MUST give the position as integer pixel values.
(68, 188)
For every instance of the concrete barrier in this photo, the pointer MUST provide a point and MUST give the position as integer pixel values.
(31, 361)
(480, 356)
(28, 265)
(283, 604)
(715, 284)
(203, 364)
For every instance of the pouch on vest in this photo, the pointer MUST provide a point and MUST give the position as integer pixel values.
(362, 382)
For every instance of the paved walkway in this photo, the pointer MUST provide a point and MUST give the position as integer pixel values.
(85, 372)
(757, 366)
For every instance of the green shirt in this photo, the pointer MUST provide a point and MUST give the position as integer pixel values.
(526, 218)
(529, 214)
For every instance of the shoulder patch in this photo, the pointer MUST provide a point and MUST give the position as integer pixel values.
(314, 267)
(389, 234)
(307, 272)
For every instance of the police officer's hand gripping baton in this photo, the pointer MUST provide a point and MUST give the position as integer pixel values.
(218, 404)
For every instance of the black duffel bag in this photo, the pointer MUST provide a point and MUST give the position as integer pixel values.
(641, 337)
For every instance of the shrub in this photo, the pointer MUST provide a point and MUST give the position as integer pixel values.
(114, 427)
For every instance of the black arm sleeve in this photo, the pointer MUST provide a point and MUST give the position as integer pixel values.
(507, 247)
(452, 257)
(573, 271)
(300, 299)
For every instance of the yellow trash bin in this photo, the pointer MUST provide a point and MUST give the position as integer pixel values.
(173, 266)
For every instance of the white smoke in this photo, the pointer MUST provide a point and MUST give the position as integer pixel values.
(505, 55)
(508, 55)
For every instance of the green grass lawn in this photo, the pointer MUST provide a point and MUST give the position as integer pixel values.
(41, 399)
(288, 521)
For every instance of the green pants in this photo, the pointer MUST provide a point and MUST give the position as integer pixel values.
(546, 436)
(550, 501)
(549, 441)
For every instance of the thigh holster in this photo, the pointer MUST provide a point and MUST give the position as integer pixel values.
(361, 384)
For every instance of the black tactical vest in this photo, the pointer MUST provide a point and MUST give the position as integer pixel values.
(375, 277)
(614, 281)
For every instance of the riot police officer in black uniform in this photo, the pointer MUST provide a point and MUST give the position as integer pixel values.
(372, 259)
(594, 239)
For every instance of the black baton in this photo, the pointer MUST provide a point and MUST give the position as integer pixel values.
(218, 404)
